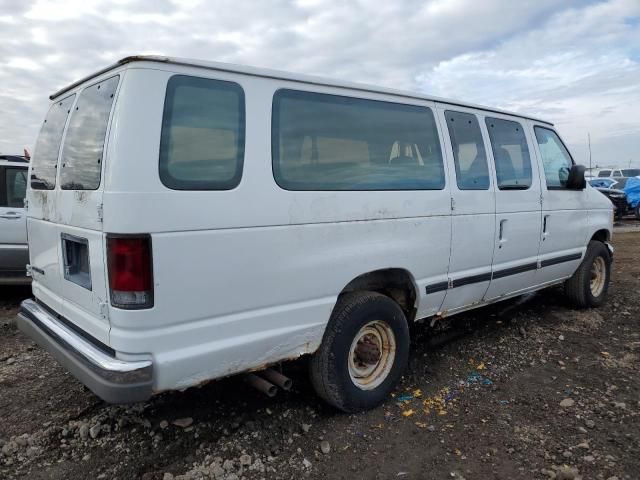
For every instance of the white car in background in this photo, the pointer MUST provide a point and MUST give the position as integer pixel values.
(14, 254)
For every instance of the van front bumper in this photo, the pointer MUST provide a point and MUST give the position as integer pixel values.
(110, 378)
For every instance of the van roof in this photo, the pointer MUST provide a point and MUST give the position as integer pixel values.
(281, 75)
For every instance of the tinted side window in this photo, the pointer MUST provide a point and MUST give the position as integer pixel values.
(45, 155)
(16, 186)
(202, 141)
(330, 142)
(555, 158)
(604, 173)
(81, 160)
(511, 154)
(469, 156)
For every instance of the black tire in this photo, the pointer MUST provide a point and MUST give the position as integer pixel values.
(636, 211)
(578, 287)
(329, 365)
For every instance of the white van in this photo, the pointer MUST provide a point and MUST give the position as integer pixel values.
(191, 220)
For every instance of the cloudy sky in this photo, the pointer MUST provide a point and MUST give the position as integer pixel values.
(576, 63)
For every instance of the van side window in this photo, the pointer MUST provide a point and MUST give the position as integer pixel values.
(45, 156)
(202, 140)
(511, 154)
(83, 147)
(469, 156)
(330, 142)
(556, 159)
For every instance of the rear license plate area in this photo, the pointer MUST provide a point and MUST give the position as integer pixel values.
(75, 255)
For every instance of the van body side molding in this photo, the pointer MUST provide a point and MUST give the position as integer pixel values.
(483, 277)
(564, 258)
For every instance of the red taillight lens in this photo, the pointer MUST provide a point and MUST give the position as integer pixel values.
(130, 273)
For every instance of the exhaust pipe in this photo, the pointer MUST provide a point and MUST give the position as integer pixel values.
(278, 379)
(268, 388)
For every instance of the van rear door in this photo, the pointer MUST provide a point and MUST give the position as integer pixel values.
(65, 208)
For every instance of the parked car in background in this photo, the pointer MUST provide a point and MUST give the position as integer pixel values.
(610, 172)
(617, 196)
(14, 254)
(631, 172)
(601, 182)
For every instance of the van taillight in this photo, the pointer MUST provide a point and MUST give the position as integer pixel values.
(130, 273)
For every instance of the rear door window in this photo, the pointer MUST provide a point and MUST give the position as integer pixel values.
(82, 152)
(510, 153)
(604, 173)
(45, 156)
(202, 140)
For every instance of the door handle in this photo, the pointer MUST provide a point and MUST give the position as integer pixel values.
(11, 216)
(545, 226)
(501, 234)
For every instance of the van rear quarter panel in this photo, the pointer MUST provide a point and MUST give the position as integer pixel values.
(249, 276)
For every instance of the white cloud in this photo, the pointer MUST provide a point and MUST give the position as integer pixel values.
(572, 62)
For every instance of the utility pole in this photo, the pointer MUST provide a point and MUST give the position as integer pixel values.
(589, 142)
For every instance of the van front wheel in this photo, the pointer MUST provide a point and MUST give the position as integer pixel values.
(589, 284)
(363, 353)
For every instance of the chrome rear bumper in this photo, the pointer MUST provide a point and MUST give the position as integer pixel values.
(112, 379)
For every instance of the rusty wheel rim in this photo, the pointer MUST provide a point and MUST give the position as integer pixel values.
(371, 355)
(598, 276)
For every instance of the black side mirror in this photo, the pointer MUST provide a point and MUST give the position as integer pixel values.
(576, 180)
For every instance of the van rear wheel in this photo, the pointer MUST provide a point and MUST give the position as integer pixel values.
(589, 284)
(363, 353)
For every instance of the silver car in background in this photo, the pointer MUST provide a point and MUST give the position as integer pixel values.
(14, 254)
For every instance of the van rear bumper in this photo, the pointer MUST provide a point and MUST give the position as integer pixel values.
(110, 378)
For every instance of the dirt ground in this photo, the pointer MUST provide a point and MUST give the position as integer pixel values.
(530, 389)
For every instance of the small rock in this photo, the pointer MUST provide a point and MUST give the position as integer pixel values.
(588, 458)
(522, 331)
(164, 424)
(582, 430)
(95, 431)
(620, 405)
(306, 427)
(86, 457)
(431, 428)
(560, 337)
(183, 422)
(245, 460)
(325, 447)
(306, 463)
(567, 454)
(228, 465)
(566, 473)
(584, 445)
(590, 423)
(561, 363)
(217, 471)
(167, 476)
(11, 360)
(567, 402)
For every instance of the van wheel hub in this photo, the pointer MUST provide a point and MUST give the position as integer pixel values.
(371, 355)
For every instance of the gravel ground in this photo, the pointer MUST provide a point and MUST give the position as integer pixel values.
(528, 389)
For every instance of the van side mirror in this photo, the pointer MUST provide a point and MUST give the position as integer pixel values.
(576, 180)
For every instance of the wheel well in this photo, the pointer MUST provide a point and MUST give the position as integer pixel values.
(602, 236)
(395, 283)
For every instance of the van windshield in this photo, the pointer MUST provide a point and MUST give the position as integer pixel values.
(45, 156)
